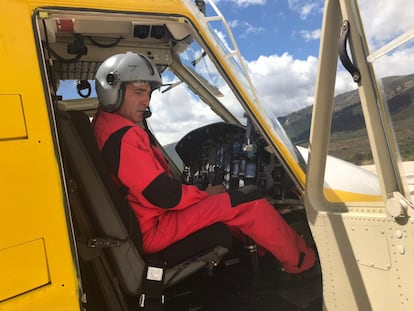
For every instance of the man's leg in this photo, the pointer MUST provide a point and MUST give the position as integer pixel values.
(257, 219)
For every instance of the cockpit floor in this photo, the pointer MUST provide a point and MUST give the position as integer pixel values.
(234, 286)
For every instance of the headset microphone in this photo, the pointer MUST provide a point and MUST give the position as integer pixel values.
(147, 113)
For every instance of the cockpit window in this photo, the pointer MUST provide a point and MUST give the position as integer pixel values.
(204, 78)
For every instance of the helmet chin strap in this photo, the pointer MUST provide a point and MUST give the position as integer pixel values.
(147, 114)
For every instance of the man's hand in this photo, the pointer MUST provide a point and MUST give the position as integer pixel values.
(211, 190)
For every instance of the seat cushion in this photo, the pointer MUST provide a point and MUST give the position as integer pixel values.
(194, 245)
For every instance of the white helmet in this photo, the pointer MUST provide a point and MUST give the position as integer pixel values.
(119, 69)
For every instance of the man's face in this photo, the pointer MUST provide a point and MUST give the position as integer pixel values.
(136, 100)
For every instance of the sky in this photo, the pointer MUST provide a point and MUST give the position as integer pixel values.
(279, 41)
(274, 27)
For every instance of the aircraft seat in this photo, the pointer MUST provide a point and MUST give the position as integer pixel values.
(113, 230)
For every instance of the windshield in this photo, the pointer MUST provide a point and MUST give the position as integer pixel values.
(194, 78)
(204, 81)
(284, 138)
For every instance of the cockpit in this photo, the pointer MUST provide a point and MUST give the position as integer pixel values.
(206, 116)
(201, 105)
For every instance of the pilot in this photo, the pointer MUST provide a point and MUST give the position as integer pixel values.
(166, 209)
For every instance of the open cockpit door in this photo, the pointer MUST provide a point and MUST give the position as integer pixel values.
(365, 237)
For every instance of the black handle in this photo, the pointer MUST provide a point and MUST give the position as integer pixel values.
(343, 55)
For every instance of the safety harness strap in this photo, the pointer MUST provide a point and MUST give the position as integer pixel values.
(152, 296)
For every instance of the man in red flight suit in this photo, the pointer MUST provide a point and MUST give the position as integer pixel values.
(167, 210)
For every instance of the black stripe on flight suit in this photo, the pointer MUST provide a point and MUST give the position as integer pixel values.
(111, 151)
(164, 191)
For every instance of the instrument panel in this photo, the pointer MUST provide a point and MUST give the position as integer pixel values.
(235, 156)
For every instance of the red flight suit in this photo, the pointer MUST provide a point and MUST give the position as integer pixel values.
(168, 211)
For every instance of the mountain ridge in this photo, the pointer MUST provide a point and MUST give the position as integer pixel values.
(349, 139)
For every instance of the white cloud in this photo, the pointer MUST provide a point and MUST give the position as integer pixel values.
(344, 82)
(305, 7)
(249, 29)
(246, 28)
(310, 35)
(244, 3)
(284, 83)
(175, 113)
(400, 62)
(288, 84)
(234, 23)
(384, 19)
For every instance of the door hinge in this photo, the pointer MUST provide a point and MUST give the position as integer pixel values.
(397, 205)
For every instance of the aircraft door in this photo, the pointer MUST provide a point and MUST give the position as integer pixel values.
(359, 202)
